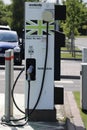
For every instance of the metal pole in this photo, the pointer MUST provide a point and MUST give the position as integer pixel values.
(57, 1)
(8, 84)
(56, 21)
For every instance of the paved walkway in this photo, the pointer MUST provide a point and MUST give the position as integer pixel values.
(60, 115)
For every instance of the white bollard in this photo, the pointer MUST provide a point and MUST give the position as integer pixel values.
(9, 76)
(84, 55)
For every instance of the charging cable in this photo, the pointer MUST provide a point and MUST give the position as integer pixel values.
(29, 71)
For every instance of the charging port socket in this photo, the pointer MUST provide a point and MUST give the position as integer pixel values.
(29, 63)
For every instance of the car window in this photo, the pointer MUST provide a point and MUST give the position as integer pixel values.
(8, 37)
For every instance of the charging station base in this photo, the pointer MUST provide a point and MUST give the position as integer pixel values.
(43, 115)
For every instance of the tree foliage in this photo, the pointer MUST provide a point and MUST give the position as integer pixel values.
(17, 15)
(1, 11)
(5, 14)
(76, 12)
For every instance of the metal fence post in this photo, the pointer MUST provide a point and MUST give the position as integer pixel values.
(9, 76)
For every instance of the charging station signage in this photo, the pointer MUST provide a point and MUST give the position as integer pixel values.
(35, 29)
(35, 48)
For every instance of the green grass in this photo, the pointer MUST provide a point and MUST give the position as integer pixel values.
(69, 55)
(64, 49)
(67, 48)
(83, 114)
(66, 54)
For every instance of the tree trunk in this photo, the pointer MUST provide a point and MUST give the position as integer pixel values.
(72, 44)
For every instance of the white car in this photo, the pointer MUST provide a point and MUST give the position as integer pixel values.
(9, 40)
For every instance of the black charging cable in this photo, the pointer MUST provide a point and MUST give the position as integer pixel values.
(27, 117)
(13, 120)
(12, 91)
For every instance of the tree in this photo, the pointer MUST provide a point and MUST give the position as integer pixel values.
(84, 18)
(18, 16)
(2, 13)
(76, 12)
(5, 14)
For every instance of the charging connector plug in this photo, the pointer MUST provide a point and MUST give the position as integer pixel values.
(30, 69)
(29, 72)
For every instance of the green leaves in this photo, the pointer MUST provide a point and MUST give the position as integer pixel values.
(76, 12)
(5, 14)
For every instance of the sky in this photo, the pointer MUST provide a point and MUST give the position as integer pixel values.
(9, 1)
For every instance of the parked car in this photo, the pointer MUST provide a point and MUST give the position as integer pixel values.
(9, 40)
(4, 27)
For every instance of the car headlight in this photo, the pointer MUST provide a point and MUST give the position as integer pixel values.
(17, 49)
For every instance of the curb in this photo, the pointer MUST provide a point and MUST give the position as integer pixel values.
(72, 59)
(74, 121)
(69, 77)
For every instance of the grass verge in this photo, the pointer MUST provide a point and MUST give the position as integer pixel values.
(65, 53)
(83, 114)
(69, 55)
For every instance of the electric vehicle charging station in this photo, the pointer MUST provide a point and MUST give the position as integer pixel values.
(39, 58)
(42, 64)
(35, 54)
